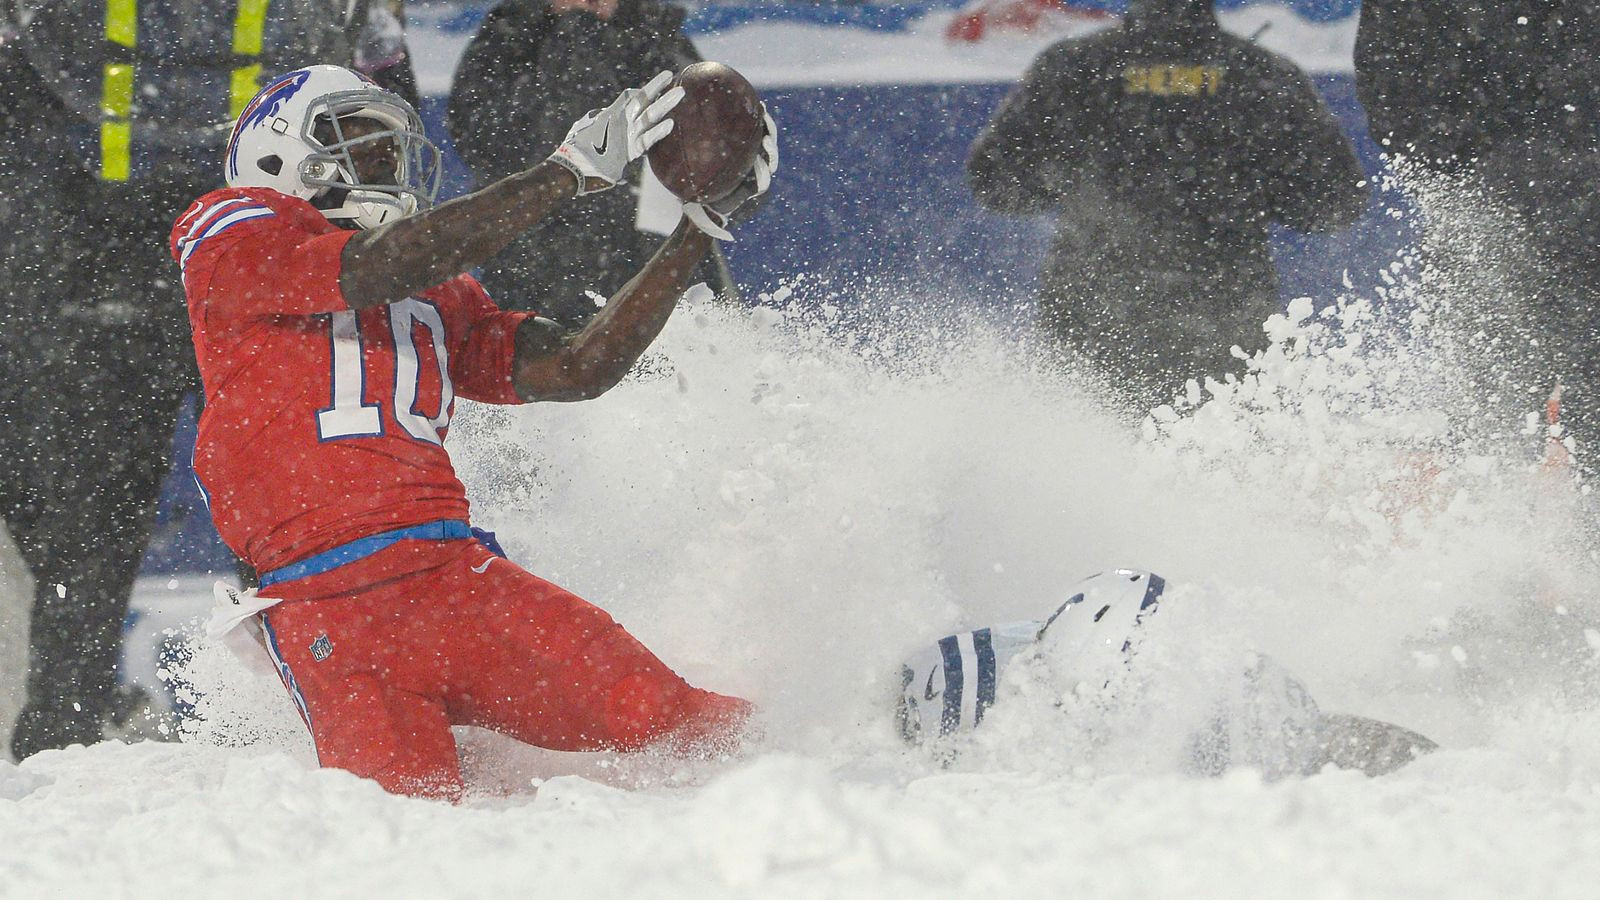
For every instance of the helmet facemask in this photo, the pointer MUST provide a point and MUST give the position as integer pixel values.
(334, 168)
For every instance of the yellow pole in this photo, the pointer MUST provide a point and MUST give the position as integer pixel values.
(116, 92)
(248, 24)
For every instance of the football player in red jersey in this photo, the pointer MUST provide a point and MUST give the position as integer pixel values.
(334, 327)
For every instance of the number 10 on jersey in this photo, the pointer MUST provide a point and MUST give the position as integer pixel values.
(347, 415)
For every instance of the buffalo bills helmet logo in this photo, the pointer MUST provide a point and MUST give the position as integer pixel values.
(262, 107)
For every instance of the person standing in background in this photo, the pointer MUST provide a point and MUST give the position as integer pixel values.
(1166, 147)
(381, 52)
(112, 115)
(1500, 103)
(533, 67)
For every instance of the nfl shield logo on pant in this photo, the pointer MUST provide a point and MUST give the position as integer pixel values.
(321, 648)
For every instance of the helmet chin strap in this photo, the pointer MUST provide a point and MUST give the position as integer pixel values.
(370, 209)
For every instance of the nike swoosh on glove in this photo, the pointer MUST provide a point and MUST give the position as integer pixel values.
(599, 146)
(714, 217)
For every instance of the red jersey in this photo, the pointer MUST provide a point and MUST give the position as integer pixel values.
(323, 425)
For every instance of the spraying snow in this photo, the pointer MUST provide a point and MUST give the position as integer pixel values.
(784, 502)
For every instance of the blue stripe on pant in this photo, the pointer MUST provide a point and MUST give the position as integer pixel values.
(954, 680)
(983, 649)
(284, 672)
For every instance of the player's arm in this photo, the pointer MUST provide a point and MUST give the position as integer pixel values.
(553, 364)
(395, 261)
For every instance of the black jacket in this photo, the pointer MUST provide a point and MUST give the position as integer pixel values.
(97, 247)
(524, 79)
(1447, 82)
(183, 67)
(1167, 144)
(1502, 99)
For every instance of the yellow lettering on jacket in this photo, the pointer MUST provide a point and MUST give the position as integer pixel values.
(1173, 80)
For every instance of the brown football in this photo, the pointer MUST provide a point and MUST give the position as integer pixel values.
(715, 137)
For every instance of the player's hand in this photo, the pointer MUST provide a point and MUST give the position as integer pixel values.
(714, 217)
(600, 145)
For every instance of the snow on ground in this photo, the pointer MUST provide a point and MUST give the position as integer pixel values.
(792, 497)
(233, 823)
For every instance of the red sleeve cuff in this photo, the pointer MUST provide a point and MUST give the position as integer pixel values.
(484, 371)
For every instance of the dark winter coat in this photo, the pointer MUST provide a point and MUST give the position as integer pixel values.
(182, 60)
(54, 83)
(1166, 147)
(1508, 94)
(1503, 98)
(1446, 81)
(524, 80)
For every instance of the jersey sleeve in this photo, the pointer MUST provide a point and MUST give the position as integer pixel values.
(484, 339)
(245, 256)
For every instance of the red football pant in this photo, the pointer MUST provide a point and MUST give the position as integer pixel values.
(418, 639)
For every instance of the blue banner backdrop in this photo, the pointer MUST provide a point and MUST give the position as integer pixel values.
(709, 17)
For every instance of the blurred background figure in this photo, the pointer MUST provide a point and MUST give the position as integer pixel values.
(1499, 102)
(533, 68)
(113, 116)
(1165, 147)
(380, 49)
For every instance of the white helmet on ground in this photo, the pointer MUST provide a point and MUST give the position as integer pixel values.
(947, 688)
(290, 138)
(1098, 623)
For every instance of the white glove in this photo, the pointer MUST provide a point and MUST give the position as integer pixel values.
(601, 144)
(713, 217)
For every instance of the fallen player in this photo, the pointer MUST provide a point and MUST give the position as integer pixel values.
(1264, 719)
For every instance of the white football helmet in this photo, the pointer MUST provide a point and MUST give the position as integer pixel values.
(290, 138)
(1098, 624)
(946, 688)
